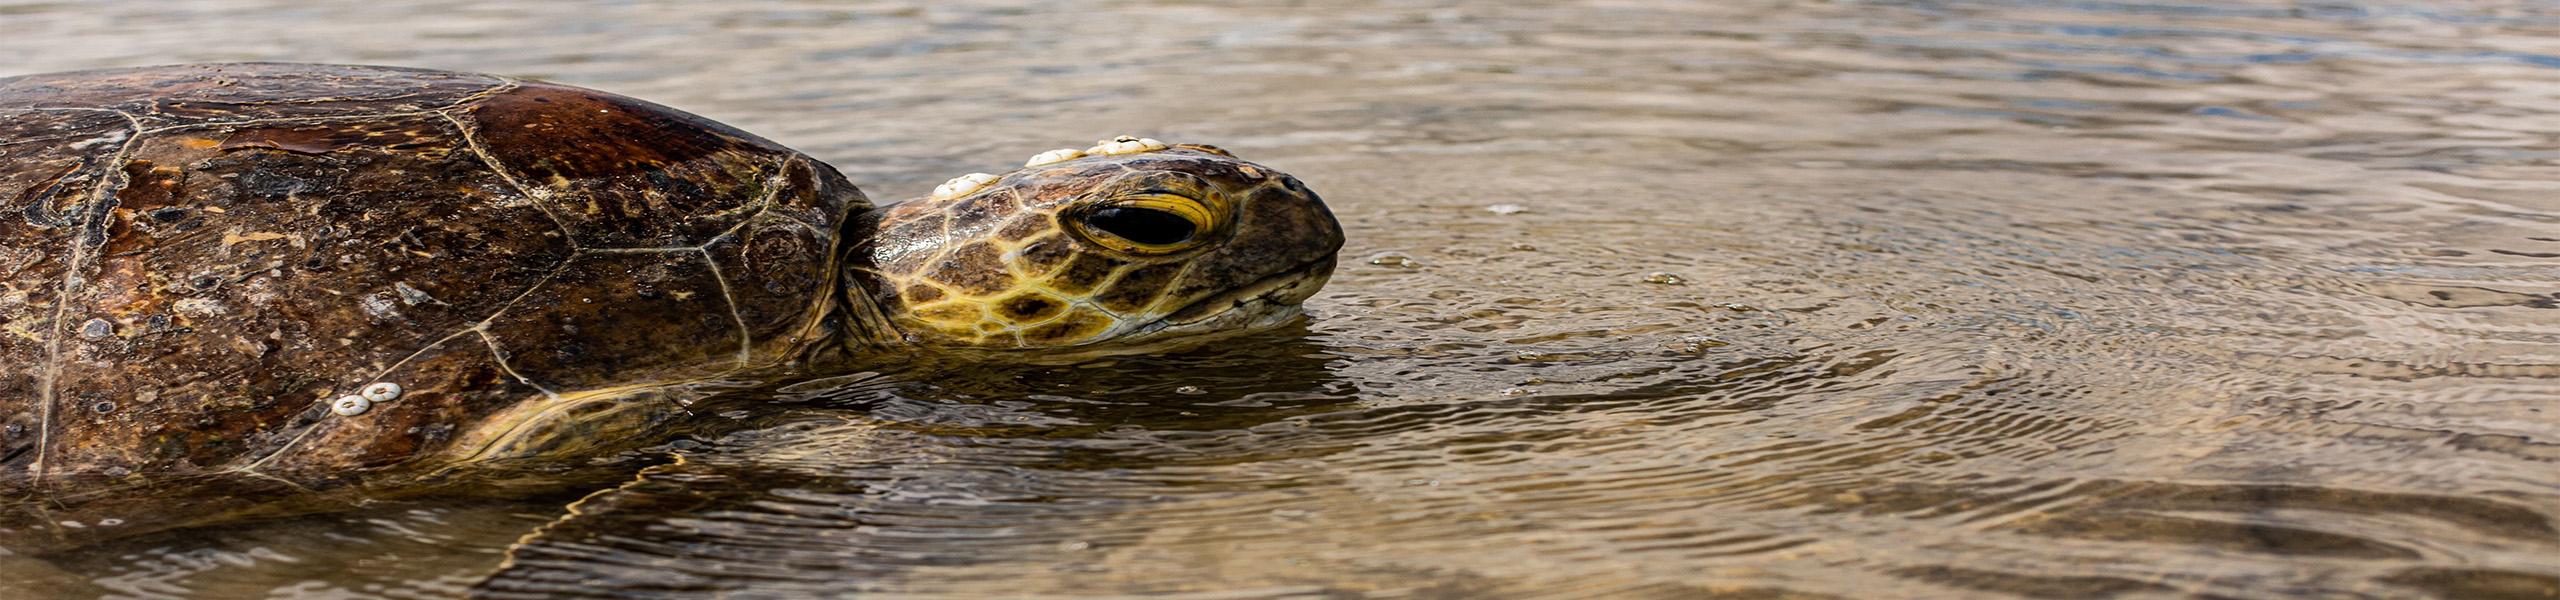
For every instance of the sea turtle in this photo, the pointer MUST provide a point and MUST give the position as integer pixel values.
(330, 277)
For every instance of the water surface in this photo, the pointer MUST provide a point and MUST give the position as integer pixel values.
(1929, 299)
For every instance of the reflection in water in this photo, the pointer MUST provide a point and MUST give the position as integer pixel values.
(1958, 299)
(929, 465)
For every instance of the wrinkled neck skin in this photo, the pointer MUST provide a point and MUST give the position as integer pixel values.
(852, 325)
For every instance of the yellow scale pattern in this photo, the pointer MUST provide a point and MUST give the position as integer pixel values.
(1060, 289)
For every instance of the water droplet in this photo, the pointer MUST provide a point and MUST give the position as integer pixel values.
(1665, 278)
(1506, 209)
(1192, 390)
(1394, 259)
(1524, 246)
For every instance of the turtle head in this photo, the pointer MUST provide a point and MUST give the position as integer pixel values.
(1131, 240)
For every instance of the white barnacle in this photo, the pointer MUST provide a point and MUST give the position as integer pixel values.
(962, 186)
(348, 406)
(1125, 145)
(383, 391)
(1053, 157)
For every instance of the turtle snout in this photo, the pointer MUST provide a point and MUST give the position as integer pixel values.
(1286, 228)
(1282, 252)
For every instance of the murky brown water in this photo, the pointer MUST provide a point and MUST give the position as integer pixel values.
(2025, 299)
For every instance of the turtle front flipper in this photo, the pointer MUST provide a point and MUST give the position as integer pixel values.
(593, 540)
(589, 424)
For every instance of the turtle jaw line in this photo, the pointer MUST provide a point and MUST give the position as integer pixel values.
(1261, 298)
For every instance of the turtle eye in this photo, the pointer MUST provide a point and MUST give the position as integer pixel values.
(1142, 225)
(1151, 223)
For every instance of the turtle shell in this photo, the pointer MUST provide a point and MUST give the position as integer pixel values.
(197, 261)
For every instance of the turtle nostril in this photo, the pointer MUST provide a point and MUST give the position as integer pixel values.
(1142, 225)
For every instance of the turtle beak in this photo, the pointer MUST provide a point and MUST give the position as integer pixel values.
(1279, 292)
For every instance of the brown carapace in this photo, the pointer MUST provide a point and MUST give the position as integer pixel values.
(209, 269)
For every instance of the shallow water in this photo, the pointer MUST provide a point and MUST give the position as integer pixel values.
(1930, 299)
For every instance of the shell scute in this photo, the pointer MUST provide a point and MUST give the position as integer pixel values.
(607, 315)
(815, 194)
(624, 173)
(196, 261)
(455, 382)
(54, 163)
(195, 94)
(283, 276)
(775, 269)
